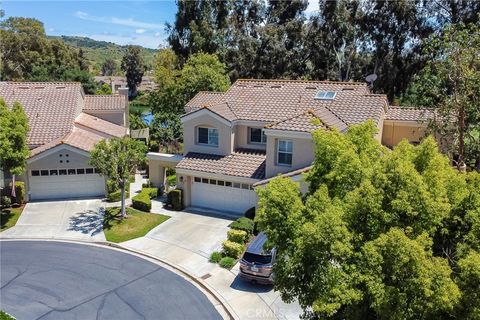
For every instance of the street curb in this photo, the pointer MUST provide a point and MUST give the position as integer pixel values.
(226, 307)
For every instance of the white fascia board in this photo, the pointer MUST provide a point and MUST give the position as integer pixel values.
(205, 111)
(287, 134)
(252, 123)
(48, 152)
(215, 176)
(165, 157)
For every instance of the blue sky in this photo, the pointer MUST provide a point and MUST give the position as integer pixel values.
(121, 22)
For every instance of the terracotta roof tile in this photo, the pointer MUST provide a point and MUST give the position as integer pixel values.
(104, 102)
(311, 120)
(409, 114)
(51, 107)
(100, 125)
(241, 163)
(202, 99)
(277, 100)
(77, 138)
(284, 175)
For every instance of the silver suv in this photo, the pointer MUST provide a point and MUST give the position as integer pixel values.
(256, 263)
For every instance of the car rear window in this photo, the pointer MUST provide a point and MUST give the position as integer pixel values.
(257, 258)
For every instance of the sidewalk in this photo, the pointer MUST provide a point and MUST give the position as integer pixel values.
(186, 240)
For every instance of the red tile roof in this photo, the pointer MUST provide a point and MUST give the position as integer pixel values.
(241, 163)
(51, 107)
(409, 114)
(100, 125)
(105, 102)
(311, 120)
(202, 99)
(277, 100)
(284, 175)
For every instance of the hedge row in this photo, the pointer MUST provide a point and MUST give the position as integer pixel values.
(143, 200)
(174, 199)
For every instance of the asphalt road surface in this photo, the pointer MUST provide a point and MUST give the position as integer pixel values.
(58, 280)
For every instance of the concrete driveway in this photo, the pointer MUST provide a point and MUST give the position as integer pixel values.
(69, 219)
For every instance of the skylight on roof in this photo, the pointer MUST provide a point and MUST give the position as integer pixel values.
(325, 95)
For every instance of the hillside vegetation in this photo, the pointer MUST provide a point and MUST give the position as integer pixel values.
(96, 52)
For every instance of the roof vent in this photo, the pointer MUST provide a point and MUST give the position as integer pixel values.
(60, 87)
(310, 88)
(39, 87)
(325, 95)
(276, 86)
(348, 89)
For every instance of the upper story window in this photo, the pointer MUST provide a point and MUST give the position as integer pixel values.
(325, 95)
(208, 136)
(257, 135)
(284, 152)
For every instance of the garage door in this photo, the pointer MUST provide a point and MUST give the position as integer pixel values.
(223, 195)
(65, 183)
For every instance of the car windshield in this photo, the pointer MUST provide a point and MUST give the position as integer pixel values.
(257, 258)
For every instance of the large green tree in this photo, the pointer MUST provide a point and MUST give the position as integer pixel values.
(117, 159)
(134, 68)
(450, 83)
(380, 234)
(201, 72)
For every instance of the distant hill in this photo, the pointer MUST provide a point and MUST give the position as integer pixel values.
(97, 52)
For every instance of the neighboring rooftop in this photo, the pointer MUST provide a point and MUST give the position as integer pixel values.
(99, 125)
(50, 107)
(241, 163)
(409, 114)
(277, 100)
(311, 120)
(104, 102)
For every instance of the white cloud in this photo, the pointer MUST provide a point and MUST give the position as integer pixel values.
(157, 34)
(119, 21)
(140, 31)
(313, 6)
(51, 29)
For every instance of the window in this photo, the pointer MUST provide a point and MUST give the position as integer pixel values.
(35, 173)
(228, 184)
(44, 172)
(89, 170)
(197, 179)
(97, 171)
(236, 185)
(208, 136)
(245, 186)
(325, 95)
(80, 171)
(71, 172)
(221, 183)
(54, 172)
(204, 180)
(257, 135)
(62, 172)
(284, 156)
(213, 181)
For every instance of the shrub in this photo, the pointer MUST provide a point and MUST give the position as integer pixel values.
(6, 201)
(20, 192)
(232, 249)
(117, 195)
(244, 224)
(215, 257)
(142, 202)
(174, 199)
(238, 236)
(227, 262)
(152, 192)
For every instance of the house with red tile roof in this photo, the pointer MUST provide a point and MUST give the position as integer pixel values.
(258, 129)
(65, 124)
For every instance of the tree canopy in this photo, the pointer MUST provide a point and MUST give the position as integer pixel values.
(117, 159)
(134, 68)
(381, 233)
(14, 129)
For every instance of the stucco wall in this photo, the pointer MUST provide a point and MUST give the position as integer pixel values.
(241, 138)
(394, 132)
(186, 187)
(303, 155)
(115, 117)
(190, 136)
(52, 161)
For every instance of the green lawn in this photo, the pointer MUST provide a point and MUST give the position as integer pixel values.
(9, 217)
(136, 224)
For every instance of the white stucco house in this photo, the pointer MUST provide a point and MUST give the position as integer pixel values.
(237, 140)
(65, 124)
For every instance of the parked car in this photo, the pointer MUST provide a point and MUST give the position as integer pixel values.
(256, 263)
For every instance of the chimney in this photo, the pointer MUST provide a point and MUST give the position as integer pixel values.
(123, 91)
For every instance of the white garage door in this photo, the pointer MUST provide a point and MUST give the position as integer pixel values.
(65, 183)
(222, 195)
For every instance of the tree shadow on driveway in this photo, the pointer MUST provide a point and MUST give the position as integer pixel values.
(88, 222)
